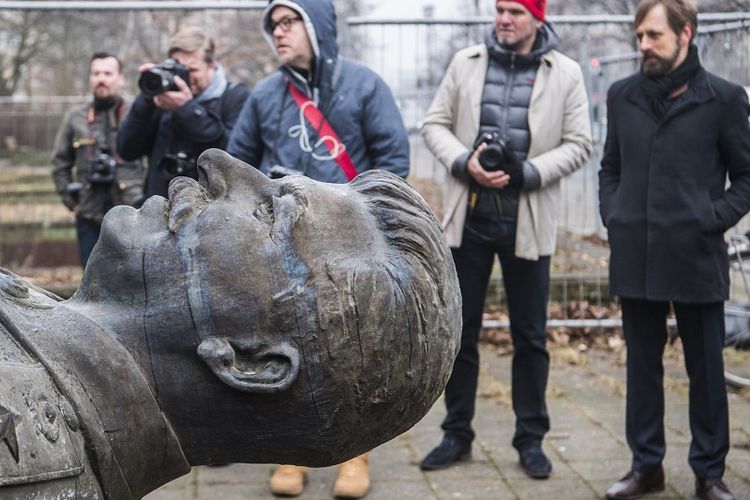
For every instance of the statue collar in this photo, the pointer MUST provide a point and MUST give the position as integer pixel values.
(133, 447)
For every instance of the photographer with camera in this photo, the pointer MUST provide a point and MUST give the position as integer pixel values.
(185, 106)
(508, 121)
(89, 175)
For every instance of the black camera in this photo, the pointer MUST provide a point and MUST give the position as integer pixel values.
(179, 164)
(494, 155)
(160, 78)
(277, 172)
(102, 169)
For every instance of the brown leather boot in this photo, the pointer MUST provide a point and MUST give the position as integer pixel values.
(353, 480)
(288, 480)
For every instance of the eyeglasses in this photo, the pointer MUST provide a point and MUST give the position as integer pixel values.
(285, 23)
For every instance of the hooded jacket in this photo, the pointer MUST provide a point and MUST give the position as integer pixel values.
(356, 102)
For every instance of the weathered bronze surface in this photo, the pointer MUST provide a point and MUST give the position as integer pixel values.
(242, 320)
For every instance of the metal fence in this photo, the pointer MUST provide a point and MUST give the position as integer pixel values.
(30, 124)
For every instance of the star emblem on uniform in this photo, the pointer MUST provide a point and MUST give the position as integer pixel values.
(8, 431)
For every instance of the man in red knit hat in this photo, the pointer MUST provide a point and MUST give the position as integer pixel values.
(535, 7)
(509, 120)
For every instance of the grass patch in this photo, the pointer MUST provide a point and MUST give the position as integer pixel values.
(21, 157)
(20, 234)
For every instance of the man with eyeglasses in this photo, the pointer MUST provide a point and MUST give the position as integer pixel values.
(324, 117)
(319, 115)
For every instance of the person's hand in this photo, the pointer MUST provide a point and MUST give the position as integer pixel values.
(173, 100)
(146, 67)
(495, 180)
(69, 202)
(513, 166)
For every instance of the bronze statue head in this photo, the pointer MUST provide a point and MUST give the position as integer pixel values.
(285, 320)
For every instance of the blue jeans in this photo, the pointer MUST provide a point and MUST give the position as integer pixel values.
(527, 289)
(88, 232)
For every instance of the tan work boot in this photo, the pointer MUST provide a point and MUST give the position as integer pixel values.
(353, 480)
(288, 480)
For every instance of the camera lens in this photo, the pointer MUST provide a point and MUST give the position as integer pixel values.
(492, 157)
(153, 82)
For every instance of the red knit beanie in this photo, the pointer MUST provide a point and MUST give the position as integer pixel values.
(536, 7)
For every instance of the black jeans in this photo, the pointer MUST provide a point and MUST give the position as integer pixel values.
(527, 289)
(701, 328)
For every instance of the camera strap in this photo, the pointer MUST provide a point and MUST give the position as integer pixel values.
(317, 120)
(109, 132)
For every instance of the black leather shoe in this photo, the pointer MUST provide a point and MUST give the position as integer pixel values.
(448, 452)
(712, 489)
(534, 462)
(636, 484)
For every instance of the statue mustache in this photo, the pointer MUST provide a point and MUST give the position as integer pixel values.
(186, 198)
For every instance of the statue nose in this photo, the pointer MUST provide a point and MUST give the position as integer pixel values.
(220, 173)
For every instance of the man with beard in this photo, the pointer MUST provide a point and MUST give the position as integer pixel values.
(509, 121)
(85, 150)
(675, 132)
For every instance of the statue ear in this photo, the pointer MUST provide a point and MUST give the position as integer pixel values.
(251, 366)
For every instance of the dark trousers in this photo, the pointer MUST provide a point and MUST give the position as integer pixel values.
(701, 328)
(87, 231)
(527, 288)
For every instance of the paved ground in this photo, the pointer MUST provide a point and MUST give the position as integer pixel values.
(586, 444)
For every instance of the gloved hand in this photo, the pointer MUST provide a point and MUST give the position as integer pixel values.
(69, 201)
(513, 167)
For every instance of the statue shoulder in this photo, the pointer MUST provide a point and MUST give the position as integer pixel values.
(42, 447)
(15, 289)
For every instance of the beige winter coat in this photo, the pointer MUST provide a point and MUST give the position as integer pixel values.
(560, 141)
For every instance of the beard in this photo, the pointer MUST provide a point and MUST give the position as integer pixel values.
(653, 65)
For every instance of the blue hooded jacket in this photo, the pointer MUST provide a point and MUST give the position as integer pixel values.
(271, 129)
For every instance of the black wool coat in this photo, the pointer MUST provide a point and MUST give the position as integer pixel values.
(663, 189)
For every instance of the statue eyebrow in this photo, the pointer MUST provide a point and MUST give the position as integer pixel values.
(295, 190)
(287, 209)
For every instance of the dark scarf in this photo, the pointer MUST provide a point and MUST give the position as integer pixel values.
(659, 88)
(106, 104)
(546, 40)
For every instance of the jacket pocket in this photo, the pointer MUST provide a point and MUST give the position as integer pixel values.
(707, 220)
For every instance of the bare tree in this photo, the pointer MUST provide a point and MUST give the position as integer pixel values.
(24, 38)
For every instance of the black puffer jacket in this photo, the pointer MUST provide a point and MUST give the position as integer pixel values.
(505, 108)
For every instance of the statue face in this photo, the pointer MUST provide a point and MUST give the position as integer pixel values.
(280, 313)
(241, 246)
